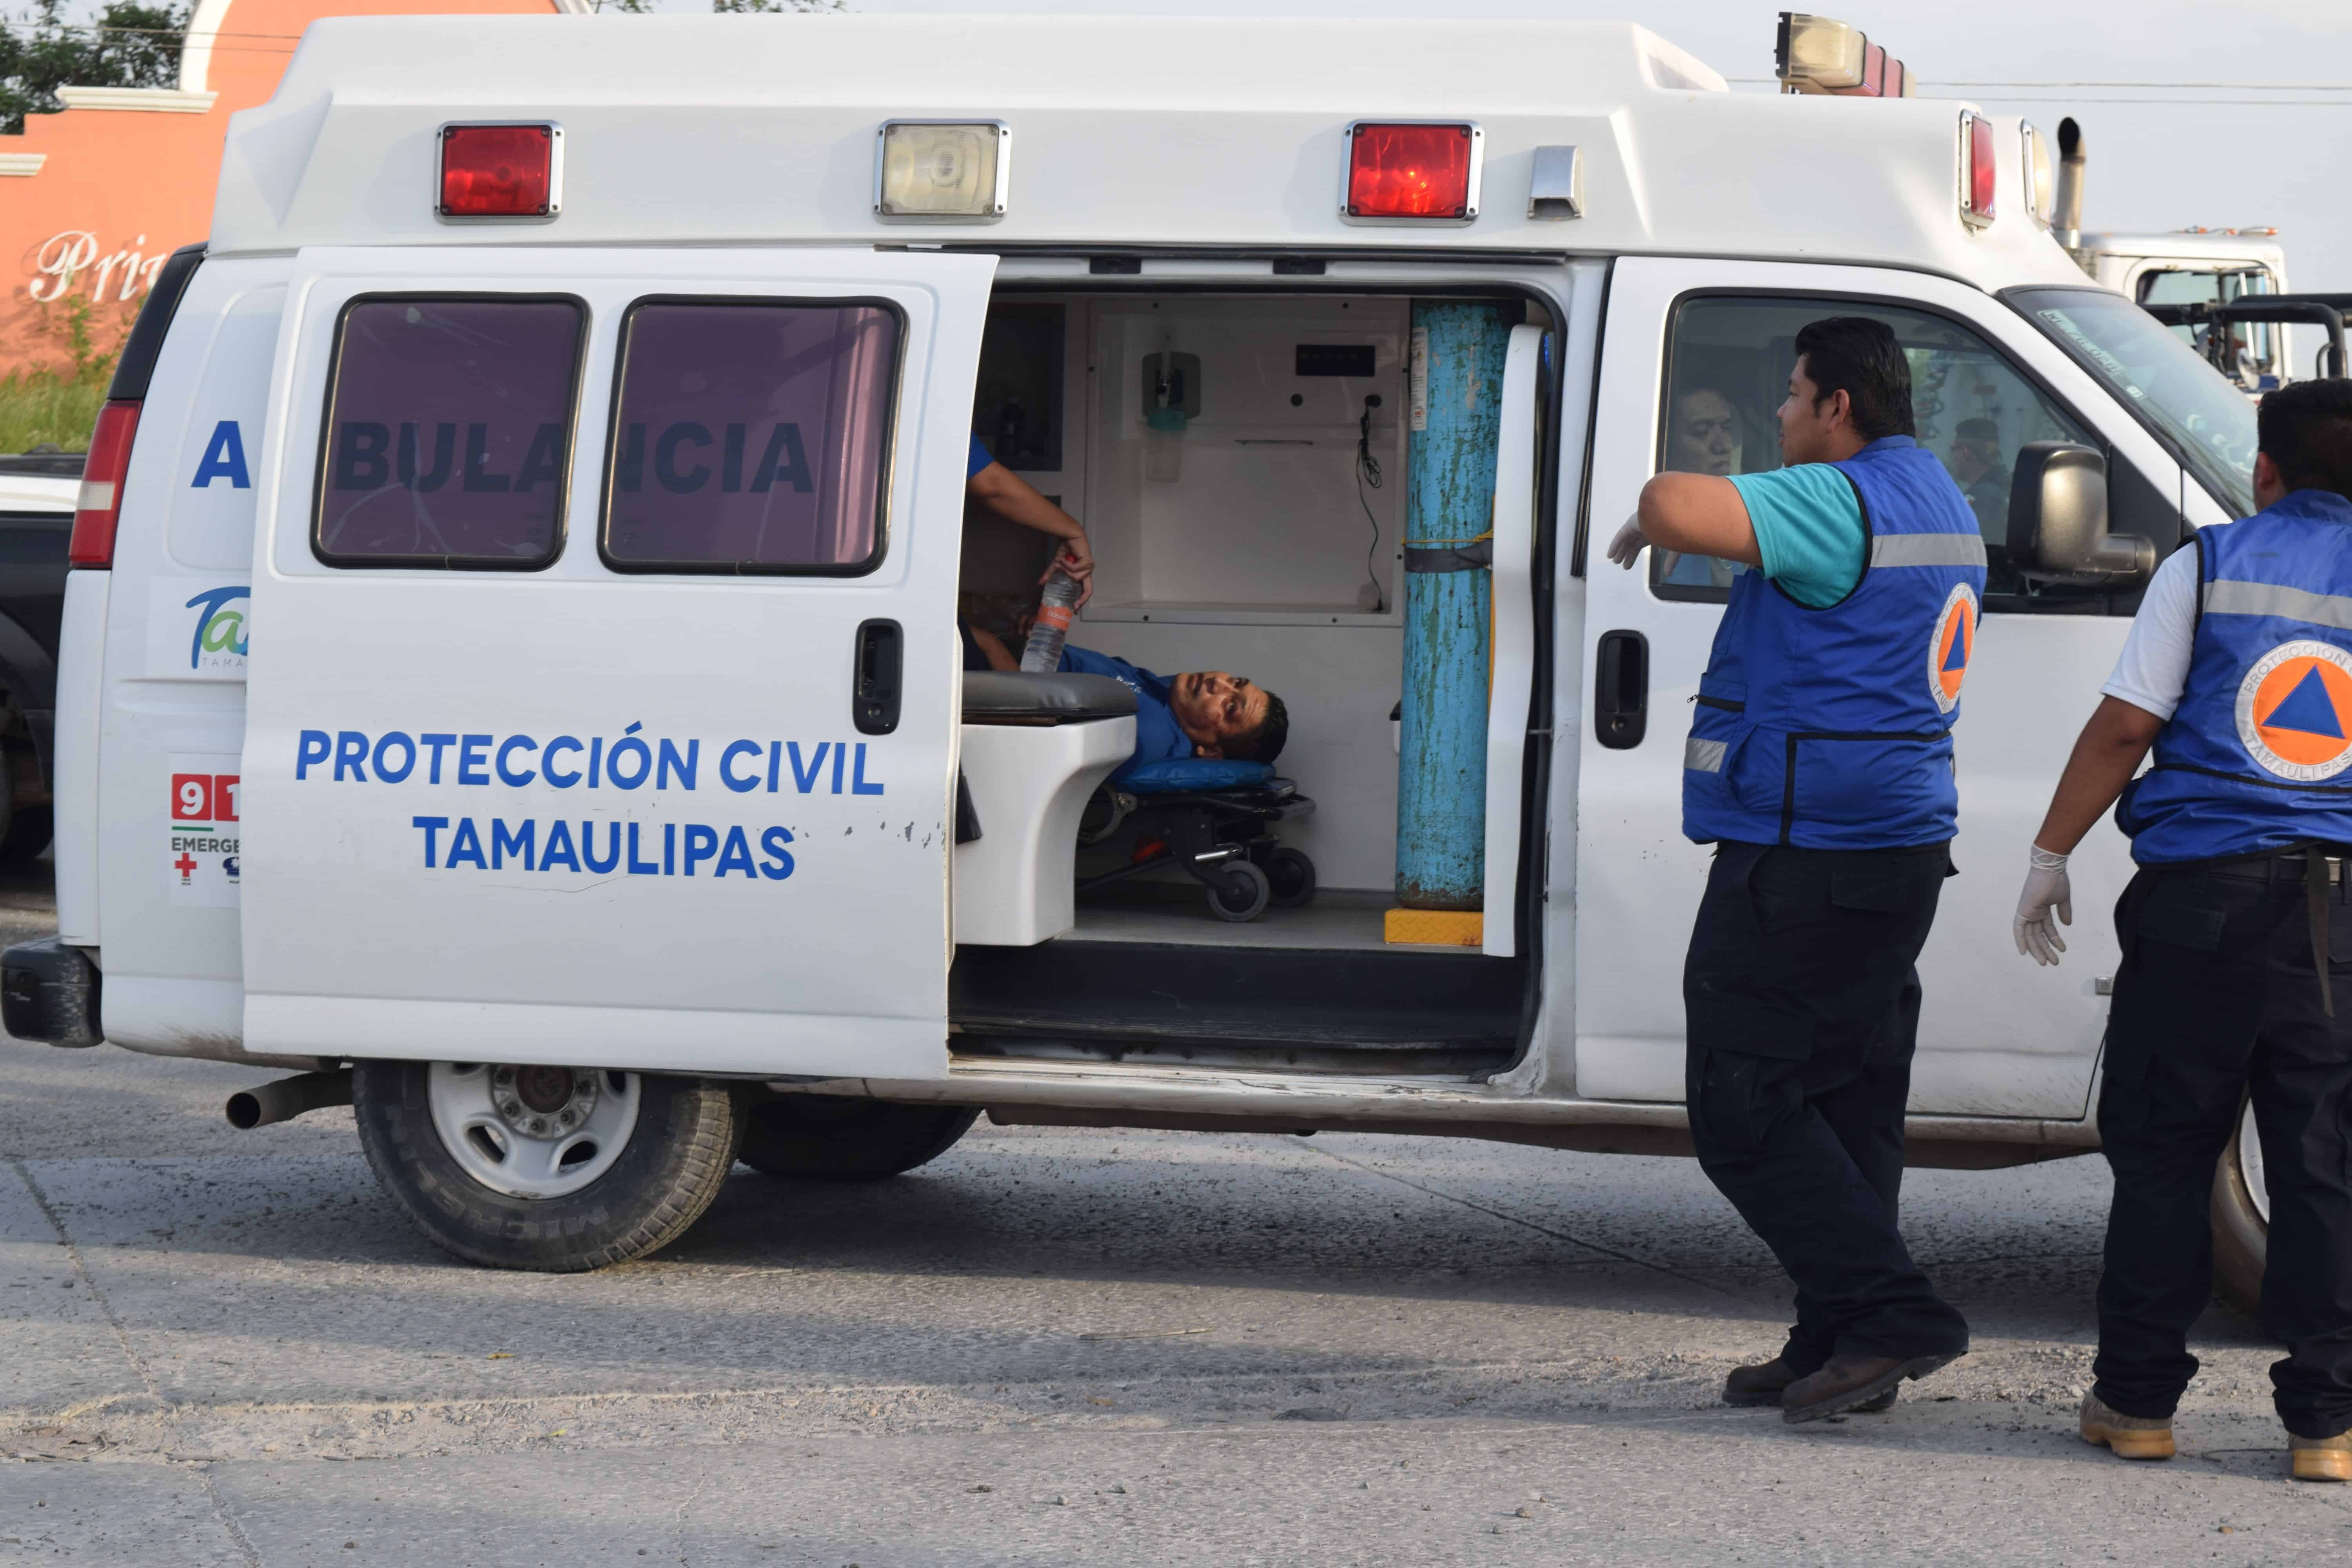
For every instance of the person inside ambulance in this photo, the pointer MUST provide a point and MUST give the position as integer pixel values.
(1976, 463)
(1016, 499)
(2238, 672)
(1204, 713)
(1703, 436)
(1820, 766)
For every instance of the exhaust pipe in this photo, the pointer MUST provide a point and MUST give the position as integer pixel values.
(288, 1097)
(2067, 218)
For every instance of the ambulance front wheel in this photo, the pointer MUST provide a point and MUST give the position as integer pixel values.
(556, 1169)
(832, 1137)
(2242, 1219)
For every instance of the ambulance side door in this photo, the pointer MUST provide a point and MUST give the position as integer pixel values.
(609, 713)
(1696, 360)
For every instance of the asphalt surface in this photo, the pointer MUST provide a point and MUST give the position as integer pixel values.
(1048, 1347)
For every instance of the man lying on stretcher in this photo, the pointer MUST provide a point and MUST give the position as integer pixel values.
(1199, 713)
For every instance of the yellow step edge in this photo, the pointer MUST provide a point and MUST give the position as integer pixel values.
(1435, 928)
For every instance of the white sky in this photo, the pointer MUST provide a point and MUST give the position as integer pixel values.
(2273, 147)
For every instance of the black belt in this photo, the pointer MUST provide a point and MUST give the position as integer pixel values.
(2318, 871)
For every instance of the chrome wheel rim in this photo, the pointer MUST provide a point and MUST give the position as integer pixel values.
(530, 1131)
(2249, 1165)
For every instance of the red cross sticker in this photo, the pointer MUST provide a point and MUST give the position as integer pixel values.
(185, 866)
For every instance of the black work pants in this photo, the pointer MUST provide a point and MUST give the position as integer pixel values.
(1803, 1011)
(2219, 997)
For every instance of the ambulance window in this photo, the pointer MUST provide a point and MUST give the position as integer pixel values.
(751, 437)
(448, 438)
(1729, 368)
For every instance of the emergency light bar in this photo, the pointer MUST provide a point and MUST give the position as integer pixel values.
(1413, 172)
(1817, 54)
(1978, 170)
(501, 170)
(942, 171)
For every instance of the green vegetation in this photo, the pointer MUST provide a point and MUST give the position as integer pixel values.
(130, 46)
(59, 404)
(50, 404)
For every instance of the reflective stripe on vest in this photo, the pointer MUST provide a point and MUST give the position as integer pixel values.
(1926, 549)
(1830, 728)
(2257, 757)
(2238, 597)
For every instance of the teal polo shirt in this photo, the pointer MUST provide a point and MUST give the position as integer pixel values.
(1809, 532)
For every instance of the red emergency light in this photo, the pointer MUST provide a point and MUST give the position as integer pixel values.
(99, 507)
(1977, 170)
(1413, 172)
(502, 171)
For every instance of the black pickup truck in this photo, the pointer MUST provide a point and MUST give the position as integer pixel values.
(36, 502)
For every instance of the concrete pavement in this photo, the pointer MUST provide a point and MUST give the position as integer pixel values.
(1049, 1347)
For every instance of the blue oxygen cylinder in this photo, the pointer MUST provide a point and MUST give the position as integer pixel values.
(1455, 417)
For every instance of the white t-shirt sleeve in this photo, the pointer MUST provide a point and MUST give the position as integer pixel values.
(2153, 669)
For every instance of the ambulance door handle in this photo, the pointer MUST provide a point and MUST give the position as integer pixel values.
(874, 685)
(1621, 691)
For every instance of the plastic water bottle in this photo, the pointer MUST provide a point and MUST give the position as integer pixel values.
(1043, 653)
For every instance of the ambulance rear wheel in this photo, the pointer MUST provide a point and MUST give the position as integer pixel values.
(1240, 893)
(2242, 1219)
(832, 1137)
(549, 1168)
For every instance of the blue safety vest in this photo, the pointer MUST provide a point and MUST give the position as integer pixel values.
(1831, 728)
(2258, 756)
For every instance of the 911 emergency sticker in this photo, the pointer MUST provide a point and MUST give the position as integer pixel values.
(204, 822)
(2295, 711)
(1949, 649)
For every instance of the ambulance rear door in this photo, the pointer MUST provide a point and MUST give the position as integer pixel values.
(604, 712)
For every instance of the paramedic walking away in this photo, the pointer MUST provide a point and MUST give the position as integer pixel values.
(2237, 943)
(1819, 765)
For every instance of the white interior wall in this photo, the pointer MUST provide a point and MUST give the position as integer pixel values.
(1267, 519)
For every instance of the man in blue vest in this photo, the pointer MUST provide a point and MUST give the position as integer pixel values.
(2237, 951)
(1819, 765)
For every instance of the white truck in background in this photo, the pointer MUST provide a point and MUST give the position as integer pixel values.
(2222, 290)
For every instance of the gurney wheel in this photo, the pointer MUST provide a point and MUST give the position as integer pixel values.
(1241, 892)
(1292, 876)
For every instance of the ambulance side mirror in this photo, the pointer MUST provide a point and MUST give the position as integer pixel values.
(2058, 521)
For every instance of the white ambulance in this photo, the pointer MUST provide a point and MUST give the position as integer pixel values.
(511, 672)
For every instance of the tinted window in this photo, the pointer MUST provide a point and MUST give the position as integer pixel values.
(1730, 360)
(750, 438)
(449, 435)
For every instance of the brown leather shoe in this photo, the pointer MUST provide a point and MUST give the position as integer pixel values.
(1851, 1382)
(2320, 1458)
(2127, 1436)
(1763, 1383)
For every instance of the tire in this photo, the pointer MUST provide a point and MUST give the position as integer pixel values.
(832, 1138)
(2242, 1219)
(1241, 892)
(656, 1170)
(1292, 874)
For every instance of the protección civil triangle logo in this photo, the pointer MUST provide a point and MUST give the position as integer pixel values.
(219, 638)
(2295, 711)
(1950, 650)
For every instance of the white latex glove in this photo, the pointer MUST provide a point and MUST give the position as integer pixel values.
(2047, 890)
(1629, 543)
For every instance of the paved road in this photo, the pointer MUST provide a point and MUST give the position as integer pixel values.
(1047, 1348)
